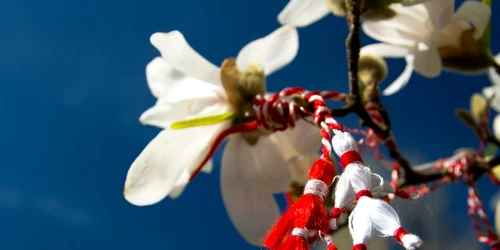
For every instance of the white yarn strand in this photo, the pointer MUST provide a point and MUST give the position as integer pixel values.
(316, 187)
(301, 232)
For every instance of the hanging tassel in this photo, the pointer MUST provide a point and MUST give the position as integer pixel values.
(296, 241)
(308, 213)
(369, 214)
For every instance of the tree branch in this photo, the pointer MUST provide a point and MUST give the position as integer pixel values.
(353, 45)
(354, 104)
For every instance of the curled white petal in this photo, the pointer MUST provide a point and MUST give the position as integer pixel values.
(183, 180)
(409, 26)
(402, 80)
(427, 61)
(496, 126)
(165, 112)
(477, 13)
(273, 51)
(302, 13)
(488, 92)
(440, 12)
(250, 205)
(492, 73)
(179, 54)
(384, 50)
(171, 85)
(156, 171)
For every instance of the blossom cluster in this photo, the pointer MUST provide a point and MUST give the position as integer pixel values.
(273, 139)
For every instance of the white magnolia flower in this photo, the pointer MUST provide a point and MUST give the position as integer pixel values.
(494, 92)
(418, 32)
(488, 92)
(192, 96)
(300, 13)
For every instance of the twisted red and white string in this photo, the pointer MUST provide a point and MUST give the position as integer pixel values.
(478, 215)
(276, 113)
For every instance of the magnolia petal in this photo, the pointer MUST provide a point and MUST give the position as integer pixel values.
(488, 92)
(492, 73)
(477, 13)
(302, 13)
(164, 113)
(427, 62)
(303, 139)
(496, 126)
(172, 85)
(384, 50)
(384, 33)
(183, 180)
(158, 168)
(273, 51)
(300, 166)
(263, 163)
(405, 29)
(177, 52)
(440, 12)
(299, 146)
(402, 80)
(251, 208)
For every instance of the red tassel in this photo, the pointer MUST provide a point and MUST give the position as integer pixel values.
(279, 232)
(359, 247)
(308, 212)
(294, 242)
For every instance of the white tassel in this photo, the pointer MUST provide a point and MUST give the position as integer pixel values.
(344, 142)
(344, 194)
(411, 241)
(369, 214)
(384, 217)
(360, 225)
(359, 177)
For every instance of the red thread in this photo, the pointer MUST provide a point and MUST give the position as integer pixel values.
(349, 157)
(359, 247)
(336, 212)
(309, 211)
(247, 127)
(399, 233)
(363, 192)
(322, 170)
(402, 194)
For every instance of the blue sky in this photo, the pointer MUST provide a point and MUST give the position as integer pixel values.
(73, 88)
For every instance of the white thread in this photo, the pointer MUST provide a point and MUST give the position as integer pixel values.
(279, 107)
(265, 110)
(322, 109)
(301, 232)
(316, 187)
(327, 238)
(330, 120)
(291, 110)
(315, 98)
